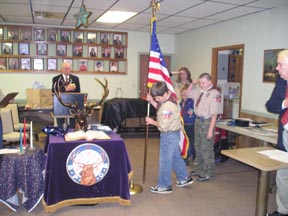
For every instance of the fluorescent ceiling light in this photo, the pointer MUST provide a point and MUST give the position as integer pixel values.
(116, 16)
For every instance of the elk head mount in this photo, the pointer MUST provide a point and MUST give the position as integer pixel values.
(81, 115)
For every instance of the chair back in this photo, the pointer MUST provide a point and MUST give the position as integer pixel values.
(14, 111)
(7, 121)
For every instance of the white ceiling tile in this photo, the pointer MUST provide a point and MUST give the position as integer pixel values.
(134, 6)
(236, 2)
(236, 12)
(206, 9)
(173, 17)
(199, 23)
(165, 6)
(175, 21)
(143, 18)
(269, 3)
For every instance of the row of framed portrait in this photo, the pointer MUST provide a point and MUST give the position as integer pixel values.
(38, 64)
(68, 36)
(61, 50)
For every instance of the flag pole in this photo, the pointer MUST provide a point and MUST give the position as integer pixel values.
(154, 6)
(146, 145)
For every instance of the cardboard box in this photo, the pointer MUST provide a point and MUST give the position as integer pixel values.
(39, 98)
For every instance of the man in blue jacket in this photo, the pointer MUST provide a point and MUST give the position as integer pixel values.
(278, 103)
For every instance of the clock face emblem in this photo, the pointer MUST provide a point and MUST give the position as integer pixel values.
(87, 164)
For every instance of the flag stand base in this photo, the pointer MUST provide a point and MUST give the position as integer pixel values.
(135, 188)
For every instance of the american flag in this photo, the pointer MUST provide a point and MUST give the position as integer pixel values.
(159, 72)
(157, 67)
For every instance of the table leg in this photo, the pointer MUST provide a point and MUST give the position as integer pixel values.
(262, 193)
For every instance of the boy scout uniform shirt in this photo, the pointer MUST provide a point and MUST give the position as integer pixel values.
(168, 117)
(208, 104)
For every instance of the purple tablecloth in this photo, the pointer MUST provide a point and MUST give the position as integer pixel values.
(60, 190)
(23, 173)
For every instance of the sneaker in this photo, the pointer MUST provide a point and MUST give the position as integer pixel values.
(161, 190)
(205, 178)
(187, 181)
(192, 173)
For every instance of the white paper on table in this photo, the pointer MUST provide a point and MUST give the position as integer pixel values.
(276, 155)
(9, 151)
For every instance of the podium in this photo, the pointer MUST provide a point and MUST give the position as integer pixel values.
(60, 111)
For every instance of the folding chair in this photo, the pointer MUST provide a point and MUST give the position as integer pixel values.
(9, 135)
(15, 117)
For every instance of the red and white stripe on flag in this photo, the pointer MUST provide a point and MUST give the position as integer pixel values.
(158, 72)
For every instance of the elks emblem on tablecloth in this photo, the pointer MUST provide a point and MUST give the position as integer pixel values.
(87, 164)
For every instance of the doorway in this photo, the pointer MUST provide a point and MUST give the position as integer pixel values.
(227, 65)
(144, 65)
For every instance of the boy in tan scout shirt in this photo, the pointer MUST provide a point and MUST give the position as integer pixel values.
(168, 123)
(206, 106)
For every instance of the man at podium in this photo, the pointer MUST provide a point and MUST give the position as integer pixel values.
(68, 83)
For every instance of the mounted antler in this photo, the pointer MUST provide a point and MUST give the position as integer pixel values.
(81, 115)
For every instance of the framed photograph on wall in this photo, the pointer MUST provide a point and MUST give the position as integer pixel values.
(13, 63)
(104, 38)
(91, 37)
(42, 49)
(92, 51)
(82, 65)
(25, 64)
(117, 39)
(99, 66)
(3, 63)
(7, 48)
(77, 50)
(78, 37)
(26, 34)
(52, 64)
(106, 52)
(13, 34)
(119, 52)
(269, 65)
(24, 49)
(65, 36)
(38, 64)
(39, 34)
(52, 35)
(113, 66)
(61, 50)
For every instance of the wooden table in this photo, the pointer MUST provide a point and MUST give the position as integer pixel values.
(264, 165)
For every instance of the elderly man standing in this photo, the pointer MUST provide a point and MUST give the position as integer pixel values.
(67, 83)
(278, 103)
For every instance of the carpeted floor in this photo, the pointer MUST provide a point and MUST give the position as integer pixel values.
(231, 193)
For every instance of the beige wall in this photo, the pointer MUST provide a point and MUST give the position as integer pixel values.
(267, 30)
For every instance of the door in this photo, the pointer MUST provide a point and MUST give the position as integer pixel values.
(235, 56)
(144, 64)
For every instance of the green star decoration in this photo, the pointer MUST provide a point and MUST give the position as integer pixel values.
(82, 17)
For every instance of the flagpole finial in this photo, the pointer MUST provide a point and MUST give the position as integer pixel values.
(155, 6)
